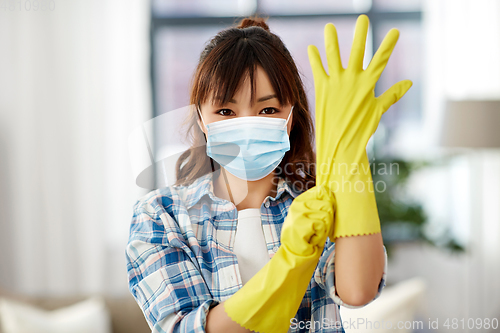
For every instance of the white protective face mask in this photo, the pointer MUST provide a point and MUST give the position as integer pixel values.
(249, 148)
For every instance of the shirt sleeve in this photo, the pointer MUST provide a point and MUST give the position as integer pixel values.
(164, 276)
(325, 276)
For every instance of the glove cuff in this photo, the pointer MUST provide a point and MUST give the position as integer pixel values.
(271, 298)
(356, 214)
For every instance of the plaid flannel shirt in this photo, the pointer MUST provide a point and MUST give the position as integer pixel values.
(181, 263)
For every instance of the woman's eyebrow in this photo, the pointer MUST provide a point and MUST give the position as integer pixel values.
(262, 99)
(265, 98)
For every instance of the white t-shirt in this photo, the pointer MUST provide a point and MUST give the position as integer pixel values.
(249, 244)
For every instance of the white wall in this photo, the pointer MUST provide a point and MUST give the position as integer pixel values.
(462, 61)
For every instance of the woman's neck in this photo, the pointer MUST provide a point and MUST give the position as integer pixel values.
(244, 194)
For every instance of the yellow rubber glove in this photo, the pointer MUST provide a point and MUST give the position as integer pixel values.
(271, 298)
(347, 115)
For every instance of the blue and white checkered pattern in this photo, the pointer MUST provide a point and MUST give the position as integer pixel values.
(181, 261)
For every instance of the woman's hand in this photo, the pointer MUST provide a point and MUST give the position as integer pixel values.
(347, 111)
(309, 221)
(268, 301)
(347, 115)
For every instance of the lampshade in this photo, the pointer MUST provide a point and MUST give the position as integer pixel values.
(471, 124)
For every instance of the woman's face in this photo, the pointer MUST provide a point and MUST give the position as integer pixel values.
(266, 103)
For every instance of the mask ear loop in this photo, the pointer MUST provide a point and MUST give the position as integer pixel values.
(199, 112)
(222, 170)
(287, 119)
(205, 135)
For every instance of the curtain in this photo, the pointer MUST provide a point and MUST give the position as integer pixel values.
(74, 83)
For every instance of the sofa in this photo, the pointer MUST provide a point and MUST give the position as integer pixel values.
(123, 313)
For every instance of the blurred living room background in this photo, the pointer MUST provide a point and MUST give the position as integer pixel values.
(77, 78)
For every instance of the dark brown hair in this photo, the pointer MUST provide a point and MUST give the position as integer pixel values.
(229, 57)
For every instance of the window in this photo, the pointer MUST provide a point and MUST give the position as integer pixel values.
(180, 29)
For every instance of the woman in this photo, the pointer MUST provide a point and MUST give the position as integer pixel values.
(214, 252)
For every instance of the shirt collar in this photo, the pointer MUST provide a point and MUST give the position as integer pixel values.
(204, 186)
(284, 187)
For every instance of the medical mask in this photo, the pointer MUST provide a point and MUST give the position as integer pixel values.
(250, 148)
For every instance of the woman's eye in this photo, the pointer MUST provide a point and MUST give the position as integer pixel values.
(225, 112)
(269, 111)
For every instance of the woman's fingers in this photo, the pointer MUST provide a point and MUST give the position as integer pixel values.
(381, 57)
(358, 44)
(315, 62)
(393, 94)
(320, 203)
(332, 49)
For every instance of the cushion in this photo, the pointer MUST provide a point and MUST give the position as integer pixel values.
(89, 316)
